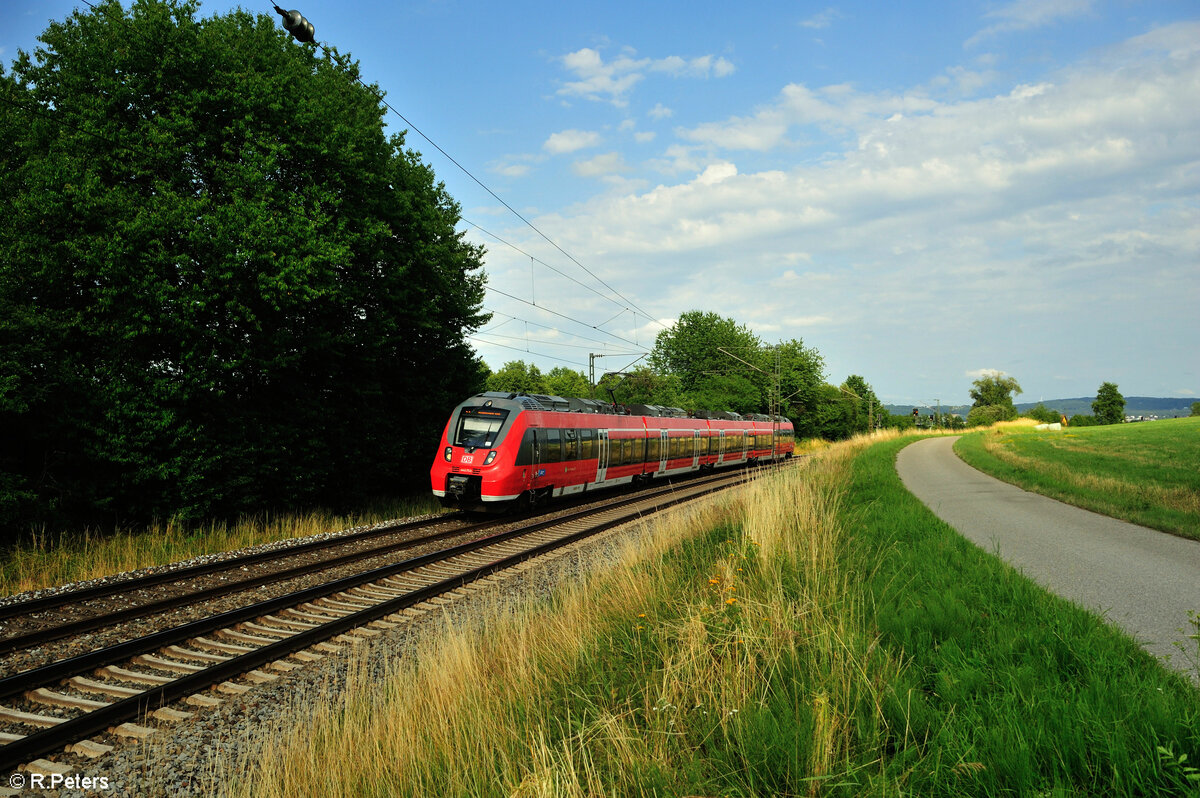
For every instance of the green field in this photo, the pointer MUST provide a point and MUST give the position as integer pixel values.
(1147, 473)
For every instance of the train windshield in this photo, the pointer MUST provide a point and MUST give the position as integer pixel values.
(479, 427)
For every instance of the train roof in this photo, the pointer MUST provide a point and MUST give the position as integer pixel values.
(537, 401)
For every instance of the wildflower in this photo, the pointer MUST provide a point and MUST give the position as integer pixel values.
(641, 615)
(731, 600)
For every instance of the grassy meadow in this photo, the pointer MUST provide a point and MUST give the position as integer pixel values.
(817, 632)
(1147, 473)
(42, 560)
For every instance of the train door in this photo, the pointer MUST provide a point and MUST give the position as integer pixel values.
(720, 447)
(662, 451)
(602, 462)
(695, 449)
(572, 481)
(537, 471)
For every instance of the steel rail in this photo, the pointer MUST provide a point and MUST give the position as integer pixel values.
(98, 720)
(43, 603)
(18, 683)
(50, 633)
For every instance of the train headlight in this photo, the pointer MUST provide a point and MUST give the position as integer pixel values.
(447, 454)
(491, 456)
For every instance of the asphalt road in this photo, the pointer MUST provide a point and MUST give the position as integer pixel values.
(1140, 579)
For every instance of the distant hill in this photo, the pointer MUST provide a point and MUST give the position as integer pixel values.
(1134, 406)
(1163, 407)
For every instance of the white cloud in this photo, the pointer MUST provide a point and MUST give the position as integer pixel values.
(981, 373)
(612, 81)
(1027, 14)
(821, 20)
(604, 165)
(1055, 218)
(570, 141)
(512, 169)
(644, 136)
(701, 67)
(659, 111)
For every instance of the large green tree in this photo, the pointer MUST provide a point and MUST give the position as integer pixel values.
(1109, 406)
(222, 286)
(719, 364)
(691, 349)
(992, 396)
(867, 410)
(562, 381)
(517, 376)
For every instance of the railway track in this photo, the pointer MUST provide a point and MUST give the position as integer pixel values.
(160, 592)
(164, 677)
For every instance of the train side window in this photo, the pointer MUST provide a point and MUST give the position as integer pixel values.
(552, 450)
(570, 444)
(627, 451)
(587, 444)
(639, 450)
(653, 449)
(525, 453)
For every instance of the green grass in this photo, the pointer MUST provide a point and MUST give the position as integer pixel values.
(1147, 473)
(824, 634)
(1008, 689)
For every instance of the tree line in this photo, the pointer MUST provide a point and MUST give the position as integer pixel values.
(993, 401)
(223, 287)
(706, 361)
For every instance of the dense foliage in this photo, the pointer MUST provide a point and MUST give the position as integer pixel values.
(1043, 414)
(710, 362)
(706, 361)
(222, 286)
(1109, 406)
(517, 376)
(992, 397)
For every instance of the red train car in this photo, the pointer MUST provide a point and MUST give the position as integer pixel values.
(502, 448)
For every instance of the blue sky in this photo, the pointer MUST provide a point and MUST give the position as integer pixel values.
(924, 192)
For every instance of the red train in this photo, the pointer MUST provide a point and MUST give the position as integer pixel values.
(502, 448)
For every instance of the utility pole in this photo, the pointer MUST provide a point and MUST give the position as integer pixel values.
(592, 371)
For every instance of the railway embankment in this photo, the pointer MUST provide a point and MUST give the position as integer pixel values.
(818, 632)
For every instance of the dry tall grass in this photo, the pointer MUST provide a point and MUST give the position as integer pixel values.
(45, 560)
(500, 707)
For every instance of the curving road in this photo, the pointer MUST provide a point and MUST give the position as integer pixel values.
(1142, 580)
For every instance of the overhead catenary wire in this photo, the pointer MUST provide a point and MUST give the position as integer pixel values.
(518, 349)
(552, 268)
(510, 317)
(633, 306)
(562, 315)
